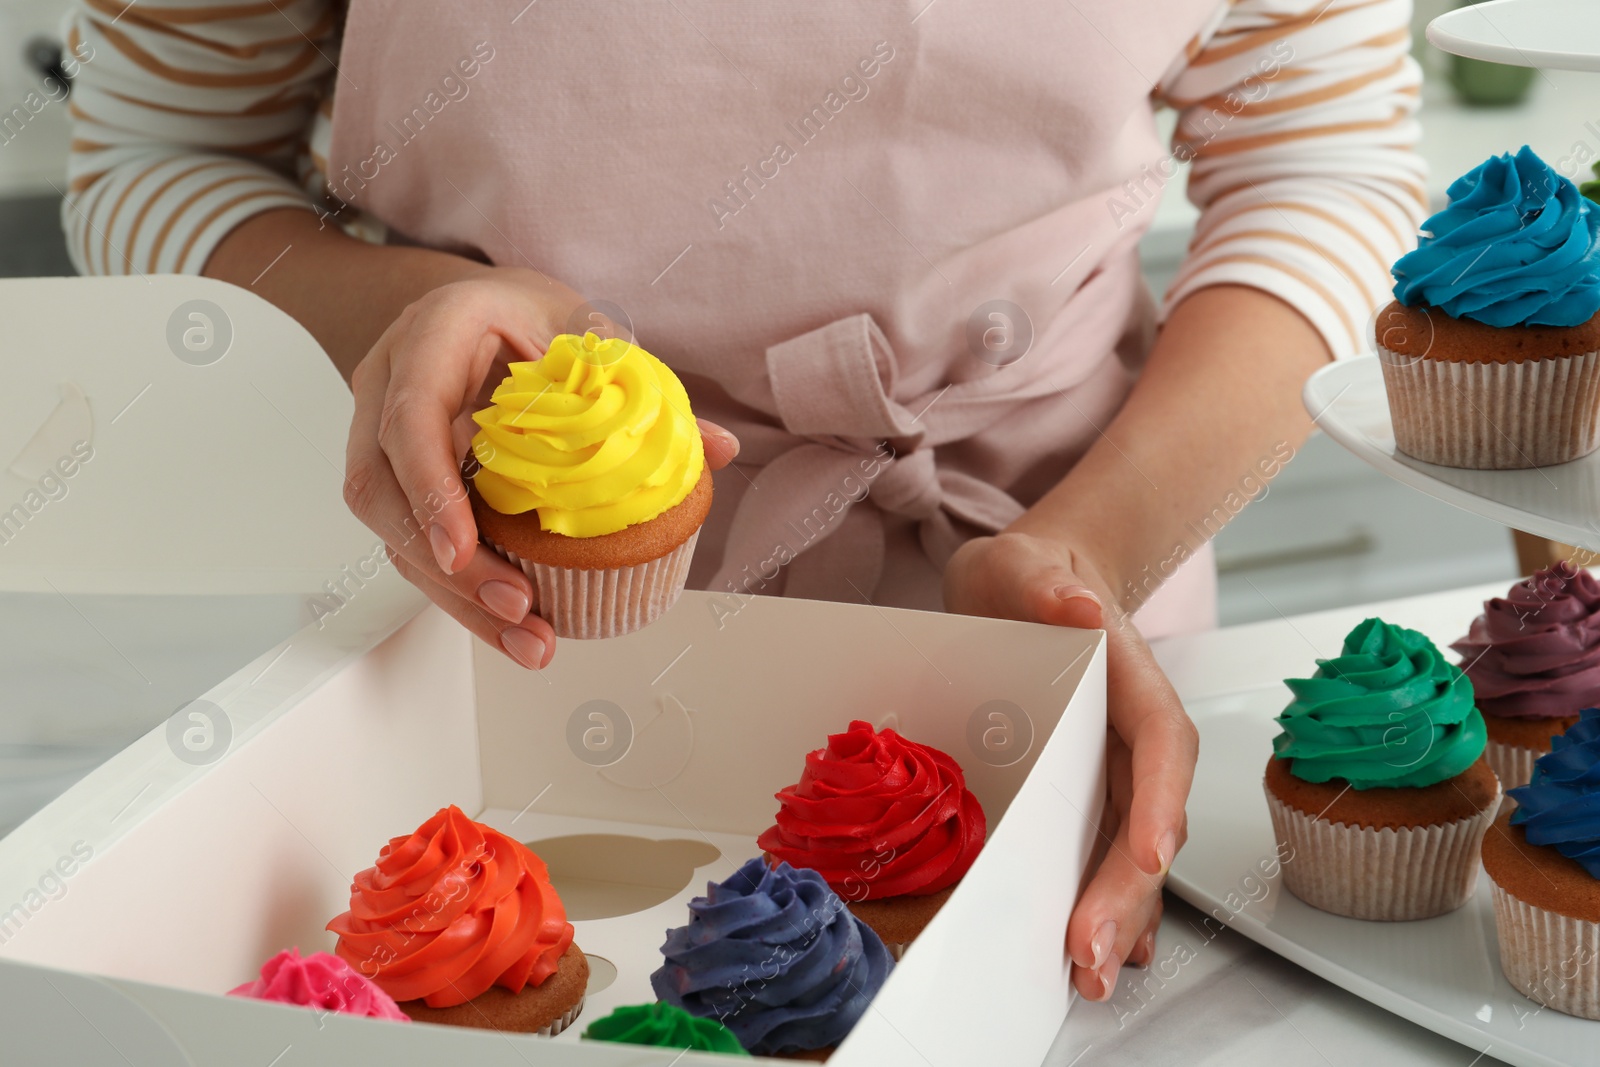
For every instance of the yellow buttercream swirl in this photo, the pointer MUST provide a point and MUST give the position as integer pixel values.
(596, 436)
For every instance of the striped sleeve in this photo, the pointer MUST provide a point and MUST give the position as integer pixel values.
(1300, 119)
(189, 117)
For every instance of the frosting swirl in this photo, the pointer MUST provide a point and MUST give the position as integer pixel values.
(1516, 246)
(1560, 807)
(1387, 711)
(1535, 653)
(664, 1026)
(596, 436)
(878, 816)
(322, 981)
(777, 957)
(451, 910)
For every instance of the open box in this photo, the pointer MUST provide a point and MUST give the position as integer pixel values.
(640, 767)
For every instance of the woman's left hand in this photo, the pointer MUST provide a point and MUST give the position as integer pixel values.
(1151, 743)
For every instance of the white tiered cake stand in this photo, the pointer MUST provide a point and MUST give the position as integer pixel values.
(1347, 399)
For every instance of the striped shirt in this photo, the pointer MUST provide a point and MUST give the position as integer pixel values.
(1297, 118)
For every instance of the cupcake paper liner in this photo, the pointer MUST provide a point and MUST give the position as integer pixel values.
(1550, 958)
(1513, 765)
(1494, 416)
(566, 1019)
(606, 603)
(1384, 874)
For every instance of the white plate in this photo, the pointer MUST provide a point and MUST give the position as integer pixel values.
(1552, 34)
(1441, 973)
(1560, 502)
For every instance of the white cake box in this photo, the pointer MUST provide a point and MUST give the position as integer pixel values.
(640, 767)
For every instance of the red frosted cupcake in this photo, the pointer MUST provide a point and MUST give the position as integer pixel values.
(1534, 660)
(460, 925)
(890, 825)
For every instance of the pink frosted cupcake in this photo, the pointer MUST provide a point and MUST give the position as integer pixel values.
(592, 478)
(322, 981)
(1534, 660)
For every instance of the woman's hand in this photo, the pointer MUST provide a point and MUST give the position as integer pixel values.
(1151, 744)
(415, 392)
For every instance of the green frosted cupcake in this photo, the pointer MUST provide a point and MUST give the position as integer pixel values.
(664, 1026)
(1377, 786)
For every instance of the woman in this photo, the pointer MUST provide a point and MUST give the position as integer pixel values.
(888, 237)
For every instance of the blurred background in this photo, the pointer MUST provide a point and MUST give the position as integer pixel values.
(1330, 531)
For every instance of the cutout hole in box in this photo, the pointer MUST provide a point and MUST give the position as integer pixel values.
(602, 876)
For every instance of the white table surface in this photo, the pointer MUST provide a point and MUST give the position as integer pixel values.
(1236, 1004)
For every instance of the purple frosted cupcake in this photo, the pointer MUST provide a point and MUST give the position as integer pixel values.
(1534, 660)
(775, 956)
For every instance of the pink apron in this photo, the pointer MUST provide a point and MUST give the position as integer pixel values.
(873, 237)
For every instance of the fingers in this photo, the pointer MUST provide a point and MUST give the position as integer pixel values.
(376, 498)
(1143, 953)
(1147, 715)
(721, 446)
(1113, 920)
(530, 642)
(435, 367)
(1016, 576)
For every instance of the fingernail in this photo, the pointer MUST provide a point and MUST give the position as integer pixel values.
(1166, 849)
(1108, 977)
(504, 599)
(1077, 592)
(1146, 950)
(713, 430)
(1100, 944)
(444, 549)
(523, 647)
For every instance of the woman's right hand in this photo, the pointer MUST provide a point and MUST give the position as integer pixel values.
(415, 392)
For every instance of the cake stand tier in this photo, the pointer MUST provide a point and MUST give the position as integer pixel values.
(1562, 502)
(1549, 34)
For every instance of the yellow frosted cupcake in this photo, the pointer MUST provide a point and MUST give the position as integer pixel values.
(592, 478)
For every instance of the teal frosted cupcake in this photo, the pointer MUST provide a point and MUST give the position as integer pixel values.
(664, 1026)
(1377, 787)
(1491, 350)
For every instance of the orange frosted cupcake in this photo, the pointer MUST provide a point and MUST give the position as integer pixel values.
(460, 925)
(592, 478)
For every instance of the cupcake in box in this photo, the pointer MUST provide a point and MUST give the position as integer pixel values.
(1491, 350)
(592, 478)
(460, 925)
(1543, 861)
(663, 1025)
(321, 981)
(888, 823)
(775, 956)
(1377, 786)
(1534, 660)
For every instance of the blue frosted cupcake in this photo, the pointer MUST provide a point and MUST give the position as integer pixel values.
(1544, 863)
(1491, 350)
(775, 956)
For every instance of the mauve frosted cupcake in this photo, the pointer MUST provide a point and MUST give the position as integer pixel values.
(1491, 350)
(592, 478)
(1377, 788)
(1534, 660)
(1543, 861)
